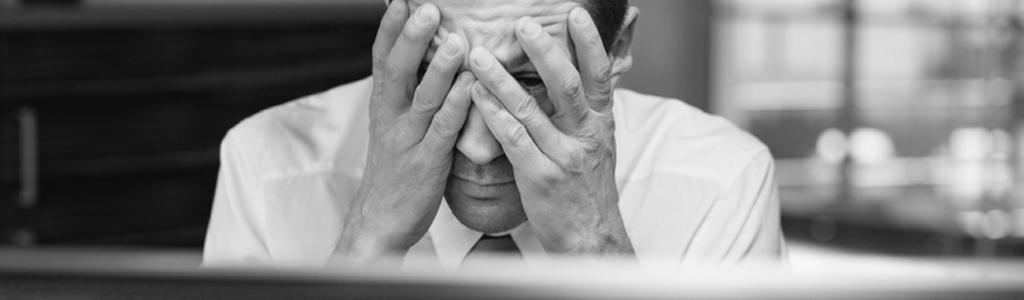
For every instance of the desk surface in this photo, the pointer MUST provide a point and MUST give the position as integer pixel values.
(105, 274)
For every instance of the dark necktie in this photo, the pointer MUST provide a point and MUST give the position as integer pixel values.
(494, 245)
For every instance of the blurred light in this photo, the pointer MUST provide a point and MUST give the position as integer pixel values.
(979, 165)
(831, 146)
(966, 182)
(871, 145)
(970, 222)
(970, 143)
(968, 146)
(997, 224)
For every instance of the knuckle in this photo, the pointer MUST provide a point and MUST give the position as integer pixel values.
(412, 32)
(423, 101)
(435, 70)
(571, 86)
(392, 73)
(441, 128)
(603, 107)
(608, 123)
(575, 162)
(440, 125)
(594, 42)
(525, 107)
(604, 88)
(443, 124)
(518, 135)
(570, 157)
(548, 49)
(589, 146)
(602, 72)
(506, 87)
(551, 178)
(533, 121)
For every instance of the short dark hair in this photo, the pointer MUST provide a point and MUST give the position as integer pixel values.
(608, 16)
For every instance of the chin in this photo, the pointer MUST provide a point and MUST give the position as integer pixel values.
(488, 209)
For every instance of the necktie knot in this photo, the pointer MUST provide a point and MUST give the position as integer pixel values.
(492, 249)
(496, 244)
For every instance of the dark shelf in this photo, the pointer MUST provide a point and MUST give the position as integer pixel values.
(130, 118)
(121, 14)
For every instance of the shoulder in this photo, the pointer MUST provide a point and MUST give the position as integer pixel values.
(675, 137)
(303, 132)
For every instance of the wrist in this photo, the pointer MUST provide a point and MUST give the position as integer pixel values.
(360, 247)
(606, 236)
(608, 239)
(362, 242)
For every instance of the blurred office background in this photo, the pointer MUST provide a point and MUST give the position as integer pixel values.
(896, 124)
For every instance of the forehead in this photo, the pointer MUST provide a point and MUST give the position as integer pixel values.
(490, 23)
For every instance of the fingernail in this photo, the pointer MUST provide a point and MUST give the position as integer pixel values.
(480, 59)
(479, 89)
(581, 17)
(531, 28)
(424, 15)
(466, 77)
(393, 10)
(451, 48)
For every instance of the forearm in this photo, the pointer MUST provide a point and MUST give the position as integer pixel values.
(607, 237)
(358, 246)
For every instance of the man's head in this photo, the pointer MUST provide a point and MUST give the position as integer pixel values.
(481, 189)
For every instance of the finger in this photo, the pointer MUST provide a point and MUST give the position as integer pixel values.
(559, 74)
(445, 125)
(403, 62)
(437, 81)
(518, 102)
(390, 26)
(595, 68)
(513, 136)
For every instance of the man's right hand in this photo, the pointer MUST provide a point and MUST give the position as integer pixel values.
(413, 128)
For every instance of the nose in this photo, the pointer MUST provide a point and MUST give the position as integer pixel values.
(476, 141)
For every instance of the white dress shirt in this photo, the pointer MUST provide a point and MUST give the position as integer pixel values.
(693, 188)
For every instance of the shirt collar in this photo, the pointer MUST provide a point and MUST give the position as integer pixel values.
(452, 240)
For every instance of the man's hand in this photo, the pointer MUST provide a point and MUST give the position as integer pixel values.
(564, 165)
(413, 129)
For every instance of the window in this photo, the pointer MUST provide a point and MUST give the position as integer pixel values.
(892, 113)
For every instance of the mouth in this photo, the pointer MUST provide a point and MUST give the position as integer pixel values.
(482, 190)
(483, 183)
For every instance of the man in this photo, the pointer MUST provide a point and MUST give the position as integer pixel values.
(493, 122)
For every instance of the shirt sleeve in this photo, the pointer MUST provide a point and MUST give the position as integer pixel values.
(234, 237)
(743, 224)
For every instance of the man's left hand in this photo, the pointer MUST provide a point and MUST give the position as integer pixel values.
(564, 165)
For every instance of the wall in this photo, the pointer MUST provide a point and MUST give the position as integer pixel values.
(672, 50)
